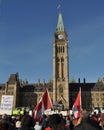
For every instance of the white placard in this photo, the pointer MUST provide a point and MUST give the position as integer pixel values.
(64, 113)
(6, 104)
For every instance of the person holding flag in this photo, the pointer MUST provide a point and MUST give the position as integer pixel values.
(77, 107)
(83, 119)
(44, 104)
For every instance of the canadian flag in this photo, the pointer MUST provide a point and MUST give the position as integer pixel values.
(76, 109)
(44, 104)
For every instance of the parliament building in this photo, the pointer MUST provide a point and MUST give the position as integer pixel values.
(61, 91)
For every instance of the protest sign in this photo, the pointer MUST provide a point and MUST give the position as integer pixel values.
(6, 104)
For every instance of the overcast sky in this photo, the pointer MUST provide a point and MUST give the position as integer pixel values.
(26, 38)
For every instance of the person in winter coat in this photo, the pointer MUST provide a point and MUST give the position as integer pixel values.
(4, 125)
(88, 123)
(37, 126)
(56, 122)
(27, 123)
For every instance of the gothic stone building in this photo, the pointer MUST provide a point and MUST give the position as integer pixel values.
(60, 90)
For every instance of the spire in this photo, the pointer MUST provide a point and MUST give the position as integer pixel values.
(60, 25)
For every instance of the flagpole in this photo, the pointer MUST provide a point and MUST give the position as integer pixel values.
(80, 98)
(59, 7)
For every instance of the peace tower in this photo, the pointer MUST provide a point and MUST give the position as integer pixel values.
(60, 65)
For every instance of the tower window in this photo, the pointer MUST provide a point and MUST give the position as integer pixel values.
(63, 49)
(59, 49)
(57, 70)
(61, 90)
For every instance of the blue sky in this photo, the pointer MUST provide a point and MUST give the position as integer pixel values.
(26, 38)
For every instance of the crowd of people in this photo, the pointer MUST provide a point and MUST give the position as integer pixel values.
(87, 121)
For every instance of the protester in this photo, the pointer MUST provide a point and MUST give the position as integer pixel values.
(37, 126)
(74, 123)
(18, 122)
(87, 123)
(67, 123)
(7, 121)
(55, 123)
(27, 123)
(44, 121)
(4, 125)
(101, 121)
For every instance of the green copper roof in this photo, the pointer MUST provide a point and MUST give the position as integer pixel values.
(60, 25)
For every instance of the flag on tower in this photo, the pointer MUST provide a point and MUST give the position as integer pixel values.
(76, 109)
(59, 6)
(44, 104)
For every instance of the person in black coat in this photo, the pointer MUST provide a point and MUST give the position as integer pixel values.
(27, 123)
(56, 122)
(88, 124)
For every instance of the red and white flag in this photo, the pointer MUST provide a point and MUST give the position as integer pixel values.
(76, 109)
(44, 104)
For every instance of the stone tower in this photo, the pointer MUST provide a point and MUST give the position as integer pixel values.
(13, 88)
(60, 65)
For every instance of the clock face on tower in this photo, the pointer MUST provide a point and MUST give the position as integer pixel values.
(60, 36)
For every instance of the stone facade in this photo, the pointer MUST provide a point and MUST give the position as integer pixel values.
(27, 95)
(92, 94)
